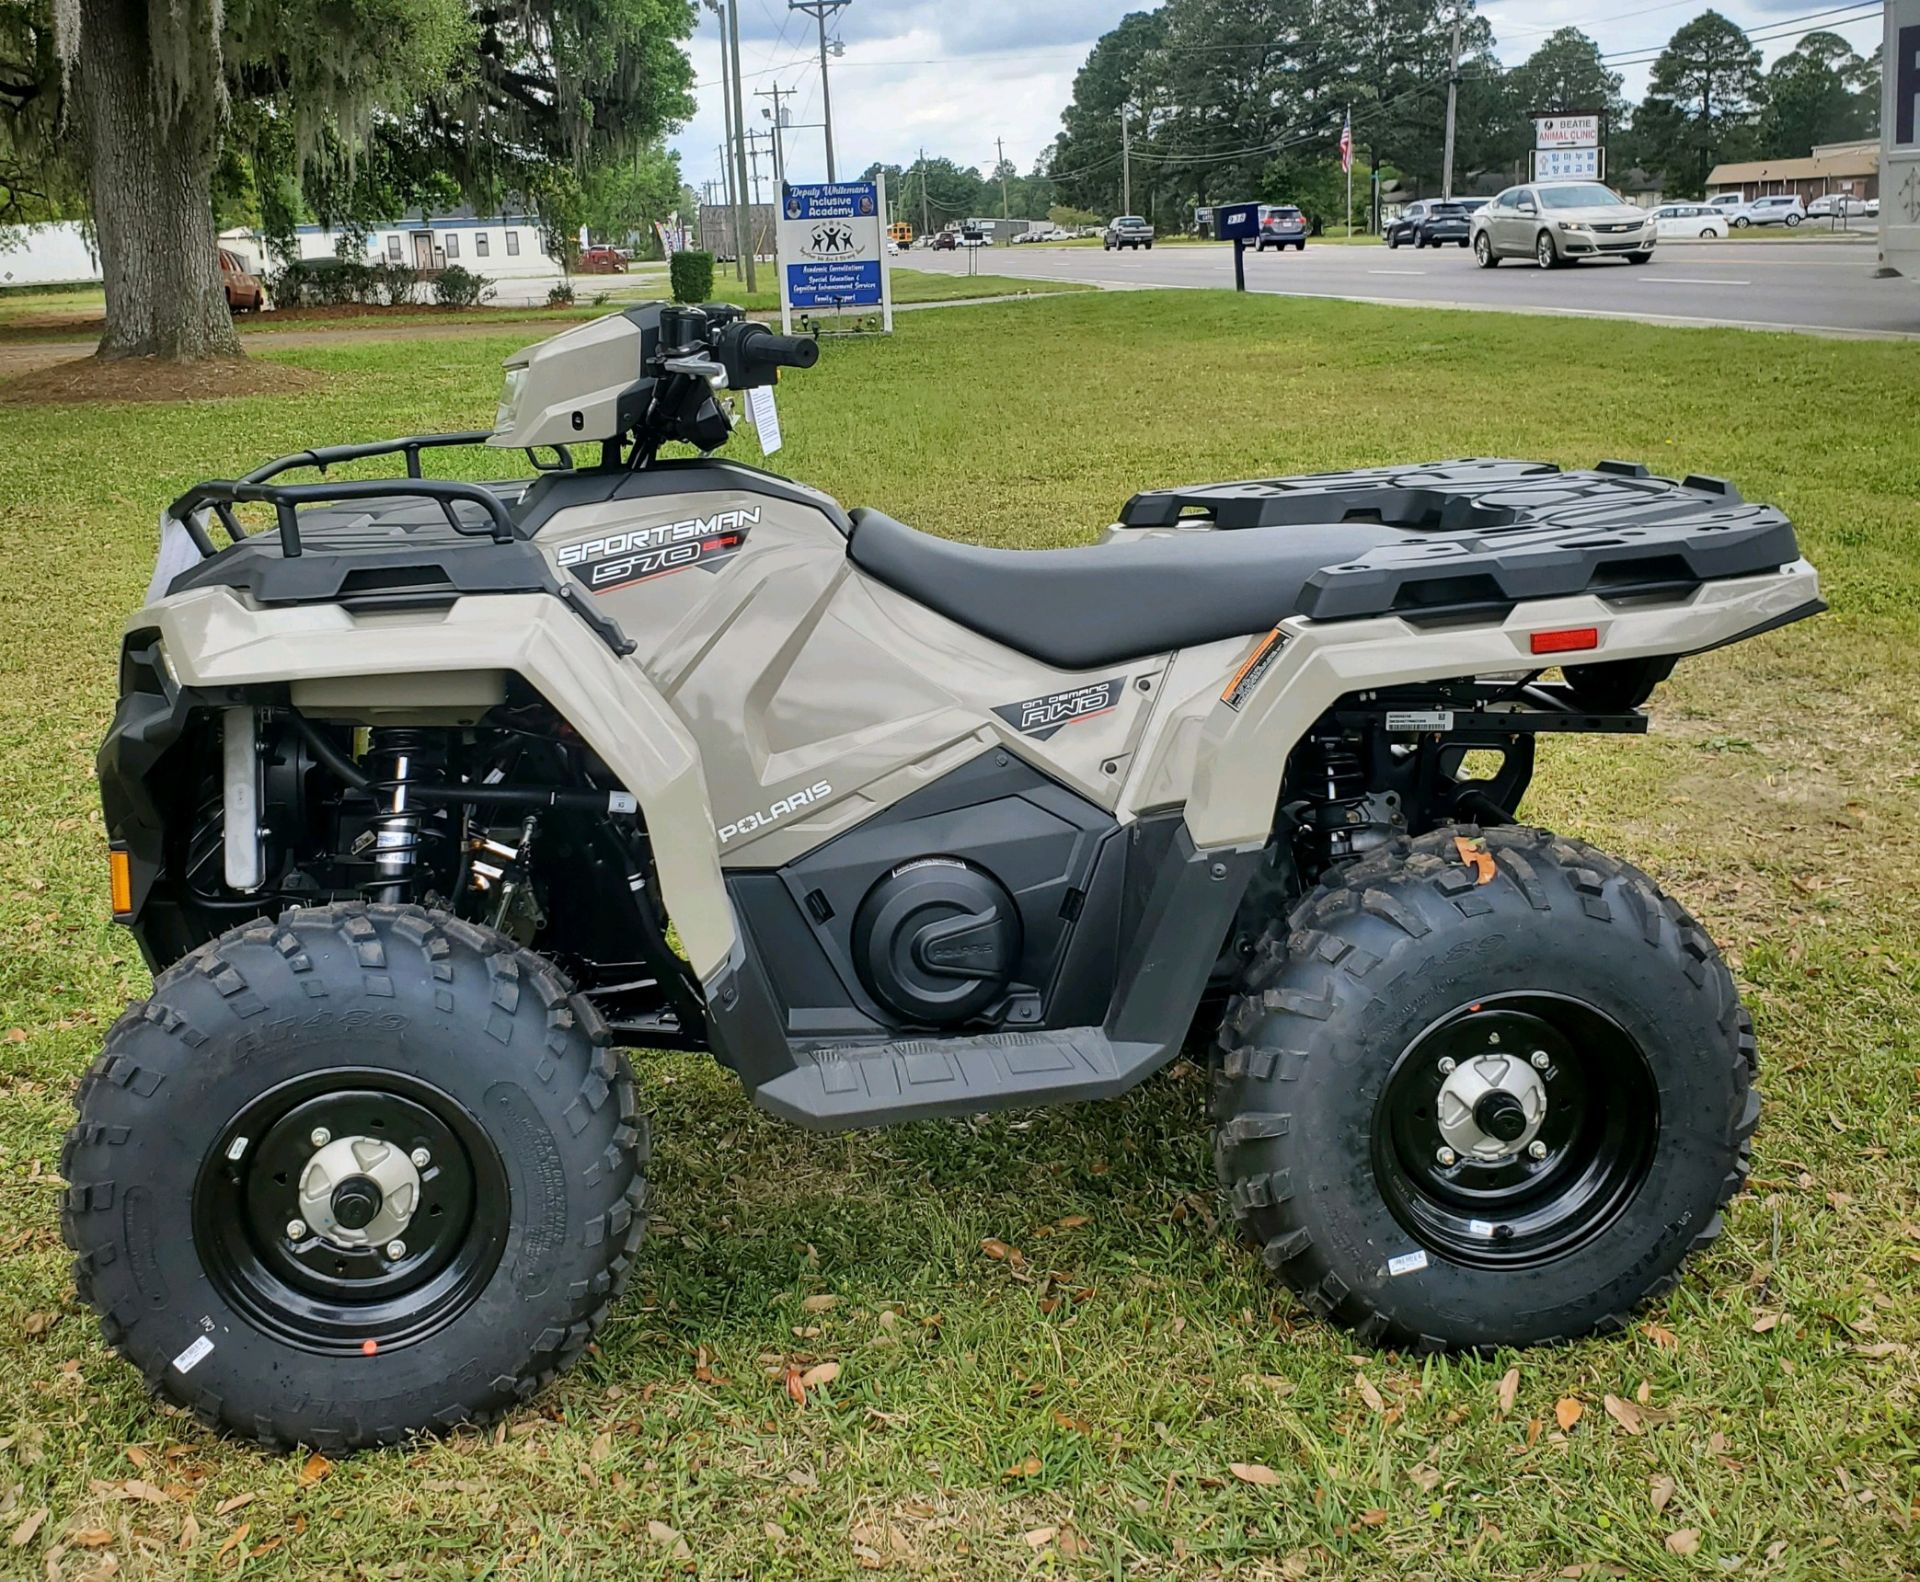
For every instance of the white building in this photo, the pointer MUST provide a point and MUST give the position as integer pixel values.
(55, 254)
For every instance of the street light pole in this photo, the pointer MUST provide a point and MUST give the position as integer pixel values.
(740, 135)
(819, 10)
(776, 93)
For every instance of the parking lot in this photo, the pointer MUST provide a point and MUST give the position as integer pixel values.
(1807, 284)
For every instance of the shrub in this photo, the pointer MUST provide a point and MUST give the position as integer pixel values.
(601, 298)
(692, 275)
(455, 287)
(324, 283)
(394, 282)
(561, 296)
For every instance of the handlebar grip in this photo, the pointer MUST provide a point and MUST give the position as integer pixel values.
(782, 351)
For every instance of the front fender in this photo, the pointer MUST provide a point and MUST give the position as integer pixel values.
(213, 639)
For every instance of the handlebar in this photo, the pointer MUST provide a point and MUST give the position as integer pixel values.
(778, 351)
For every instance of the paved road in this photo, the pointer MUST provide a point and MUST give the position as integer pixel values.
(1817, 287)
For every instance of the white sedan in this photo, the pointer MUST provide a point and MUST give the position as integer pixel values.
(1690, 219)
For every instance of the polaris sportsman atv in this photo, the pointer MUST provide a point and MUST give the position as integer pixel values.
(431, 796)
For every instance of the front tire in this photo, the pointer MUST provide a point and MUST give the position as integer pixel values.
(1483, 253)
(1545, 254)
(1412, 991)
(359, 1173)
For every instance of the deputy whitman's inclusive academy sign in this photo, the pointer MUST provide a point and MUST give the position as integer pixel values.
(833, 249)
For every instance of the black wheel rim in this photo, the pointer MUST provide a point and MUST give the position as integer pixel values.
(1558, 1186)
(311, 1291)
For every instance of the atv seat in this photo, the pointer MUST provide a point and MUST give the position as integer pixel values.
(1079, 609)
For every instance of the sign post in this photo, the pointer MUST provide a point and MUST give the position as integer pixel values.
(1567, 146)
(833, 249)
(1238, 223)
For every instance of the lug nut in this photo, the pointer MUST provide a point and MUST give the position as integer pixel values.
(1447, 1157)
(421, 1158)
(1536, 1149)
(396, 1250)
(319, 1137)
(296, 1230)
(1447, 1064)
(1541, 1059)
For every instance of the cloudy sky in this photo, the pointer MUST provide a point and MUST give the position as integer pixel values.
(953, 75)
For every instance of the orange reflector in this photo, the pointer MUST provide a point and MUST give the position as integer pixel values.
(119, 881)
(1571, 640)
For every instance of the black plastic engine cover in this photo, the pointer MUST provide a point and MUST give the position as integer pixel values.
(936, 940)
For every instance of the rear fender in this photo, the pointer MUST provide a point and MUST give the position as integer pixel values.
(213, 640)
(1278, 691)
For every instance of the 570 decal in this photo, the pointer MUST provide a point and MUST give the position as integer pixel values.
(619, 560)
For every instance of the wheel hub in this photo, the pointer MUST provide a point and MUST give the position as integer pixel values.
(359, 1192)
(1491, 1106)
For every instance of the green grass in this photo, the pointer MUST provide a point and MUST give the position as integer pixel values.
(1775, 798)
(909, 285)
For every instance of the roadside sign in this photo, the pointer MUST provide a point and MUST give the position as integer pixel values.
(1569, 164)
(1238, 223)
(1566, 131)
(833, 249)
(1900, 140)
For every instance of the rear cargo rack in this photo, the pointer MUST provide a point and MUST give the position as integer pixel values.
(219, 496)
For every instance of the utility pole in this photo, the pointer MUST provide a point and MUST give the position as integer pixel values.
(819, 10)
(776, 93)
(740, 136)
(926, 225)
(1453, 99)
(1126, 163)
(1000, 165)
(726, 141)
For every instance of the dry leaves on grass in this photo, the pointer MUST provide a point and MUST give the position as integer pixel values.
(821, 1303)
(1376, 1402)
(31, 1524)
(1566, 1412)
(1509, 1390)
(1762, 1322)
(1252, 1472)
(1684, 1542)
(669, 1537)
(1660, 1492)
(1626, 1414)
(238, 1503)
(1661, 1336)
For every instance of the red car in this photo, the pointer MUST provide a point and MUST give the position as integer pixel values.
(603, 261)
(245, 291)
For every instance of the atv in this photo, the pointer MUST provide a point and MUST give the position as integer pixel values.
(429, 797)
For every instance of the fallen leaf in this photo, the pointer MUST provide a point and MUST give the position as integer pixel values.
(317, 1467)
(1375, 1401)
(1661, 1491)
(820, 1303)
(795, 1389)
(1762, 1322)
(1684, 1542)
(236, 1537)
(602, 1446)
(1071, 1544)
(23, 1534)
(189, 1531)
(1029, 1468)
(1372, 1517)
(1427, 1477)
(140, 1489)
(1253, 1472)
(1625, 1413)
(1040, 1537)
(1566, 1412)
(238, 1502)
(995, 1249)
(1661, 1336)
(825, 1373)
(1509, 1389)
(774, 1531)
(1074, 1221)
(138, 1456)
(91, 1537)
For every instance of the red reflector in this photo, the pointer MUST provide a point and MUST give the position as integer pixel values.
(1569, 641)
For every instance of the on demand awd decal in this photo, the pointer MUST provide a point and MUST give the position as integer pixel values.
(621, 559)
(1041, 717)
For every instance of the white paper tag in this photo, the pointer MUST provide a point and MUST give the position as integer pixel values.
(1419, 719)
(1406, 1263)
(765, 418)
(177, 553)
(1480, 1227)
(196, 1353)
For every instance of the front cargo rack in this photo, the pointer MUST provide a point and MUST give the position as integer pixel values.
(219, 496)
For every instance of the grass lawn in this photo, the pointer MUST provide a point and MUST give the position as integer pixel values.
(979, 1427)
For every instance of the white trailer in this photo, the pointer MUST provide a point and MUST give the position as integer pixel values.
(1900, 140)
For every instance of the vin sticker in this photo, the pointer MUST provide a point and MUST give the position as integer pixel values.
(1041, 717)
(1406, 1263)
(196, 1352)
(1419, 719)
(1259, 662)
(619, 560)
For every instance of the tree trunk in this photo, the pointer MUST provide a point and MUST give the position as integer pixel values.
(150, 176)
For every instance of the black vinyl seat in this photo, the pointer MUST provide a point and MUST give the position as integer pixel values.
(1079, 609)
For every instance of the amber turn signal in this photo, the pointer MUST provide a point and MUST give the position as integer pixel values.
(119, 881)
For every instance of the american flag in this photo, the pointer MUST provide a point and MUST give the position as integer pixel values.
(1346, 143)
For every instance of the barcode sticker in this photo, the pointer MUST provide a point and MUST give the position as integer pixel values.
(196, 1353)
(1406, 1263)
(1420, 719)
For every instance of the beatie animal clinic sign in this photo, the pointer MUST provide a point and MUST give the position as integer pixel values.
(833, 249)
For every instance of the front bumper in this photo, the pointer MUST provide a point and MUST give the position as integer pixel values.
(1606, 243)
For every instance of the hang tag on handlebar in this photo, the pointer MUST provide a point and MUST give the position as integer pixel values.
(765, 418)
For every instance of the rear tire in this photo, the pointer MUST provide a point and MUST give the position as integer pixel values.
(1483, 253)
(498, 1148)
(1329, 1093)
(1639, 258)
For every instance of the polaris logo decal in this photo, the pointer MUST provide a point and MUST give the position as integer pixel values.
(622, 559)
(1041, 717)
(819, 791)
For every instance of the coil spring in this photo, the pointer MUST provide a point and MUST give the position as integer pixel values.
(403, 830)
(1340, 815)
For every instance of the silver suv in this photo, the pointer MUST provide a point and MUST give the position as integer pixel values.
(1558, 222)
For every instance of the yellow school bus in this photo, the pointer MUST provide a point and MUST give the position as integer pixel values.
(901, 232)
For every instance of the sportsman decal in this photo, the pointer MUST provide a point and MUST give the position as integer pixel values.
(1041, 717)
(619, 560)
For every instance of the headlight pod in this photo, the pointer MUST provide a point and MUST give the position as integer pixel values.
(1574, 225)
(509, 411)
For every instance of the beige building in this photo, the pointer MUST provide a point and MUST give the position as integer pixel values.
(1852, 169)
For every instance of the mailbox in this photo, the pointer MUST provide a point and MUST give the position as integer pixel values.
(1237, 222)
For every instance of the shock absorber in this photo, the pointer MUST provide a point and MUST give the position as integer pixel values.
(399, 760)
(1340, 815)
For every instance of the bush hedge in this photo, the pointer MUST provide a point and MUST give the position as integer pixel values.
(692, 275)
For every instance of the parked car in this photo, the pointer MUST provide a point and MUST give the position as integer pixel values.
(246, 291)
(1560, 222)
(1690, 219)
(1128, 230)
(1776, 208)
(1727, 202)
(1839, 205)
(945, 242)
(1428, 222)
(1282, 225)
